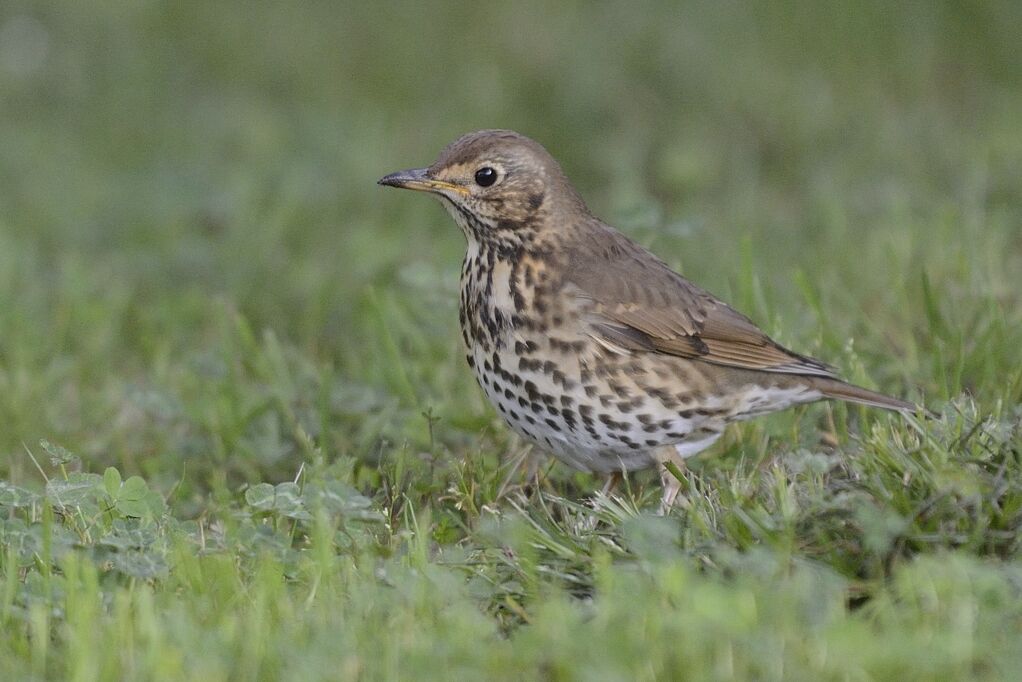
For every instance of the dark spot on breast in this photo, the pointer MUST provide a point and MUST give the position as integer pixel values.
(620, 389)
(612, 424)
(628, 442)
(626, 406)
(707, 412)
(527, 365)
(660, 394)
(519, 299)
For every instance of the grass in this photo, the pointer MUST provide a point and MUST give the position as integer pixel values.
(238, 440)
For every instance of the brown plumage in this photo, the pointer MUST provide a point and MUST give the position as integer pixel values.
(587, 343)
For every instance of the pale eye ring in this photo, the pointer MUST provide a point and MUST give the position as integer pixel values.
(486, 176)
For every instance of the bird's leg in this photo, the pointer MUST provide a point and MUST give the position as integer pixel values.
(525, 463)
(613, 480)
(672, 468)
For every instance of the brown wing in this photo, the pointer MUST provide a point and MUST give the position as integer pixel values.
(638, 303)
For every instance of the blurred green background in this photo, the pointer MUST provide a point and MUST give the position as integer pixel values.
(201, 284)
(198, 272)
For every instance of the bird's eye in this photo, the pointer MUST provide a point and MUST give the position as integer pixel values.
(486, 176)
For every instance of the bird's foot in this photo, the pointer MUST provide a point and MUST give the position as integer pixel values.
(672, 474)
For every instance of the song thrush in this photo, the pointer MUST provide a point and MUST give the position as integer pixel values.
(586, 343)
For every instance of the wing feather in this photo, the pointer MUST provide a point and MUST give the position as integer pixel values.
(636, 302)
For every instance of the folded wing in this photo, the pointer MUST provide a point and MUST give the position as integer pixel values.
(638, 303)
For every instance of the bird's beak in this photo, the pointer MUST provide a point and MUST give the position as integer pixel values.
(417, 179)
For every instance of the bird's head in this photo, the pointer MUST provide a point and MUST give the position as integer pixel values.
(498, 185)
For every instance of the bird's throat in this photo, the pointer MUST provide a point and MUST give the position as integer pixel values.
(489, 290)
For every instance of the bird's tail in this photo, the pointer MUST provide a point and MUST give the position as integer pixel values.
(836, 389)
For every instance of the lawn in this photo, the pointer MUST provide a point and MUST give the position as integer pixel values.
(238, 440)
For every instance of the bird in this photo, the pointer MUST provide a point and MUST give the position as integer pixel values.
(587, 344)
